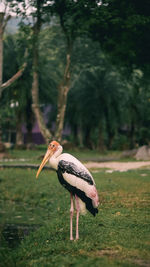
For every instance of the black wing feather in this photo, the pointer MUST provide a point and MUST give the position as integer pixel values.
(78, 192)
(70, 167)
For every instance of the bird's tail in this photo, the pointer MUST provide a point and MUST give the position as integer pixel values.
(82, 207)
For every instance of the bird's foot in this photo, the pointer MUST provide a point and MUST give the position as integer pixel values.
(71, 238)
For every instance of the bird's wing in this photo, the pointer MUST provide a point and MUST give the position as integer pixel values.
(71, 168)
(77, 180)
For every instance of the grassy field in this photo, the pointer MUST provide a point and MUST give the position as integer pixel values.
(34, 221)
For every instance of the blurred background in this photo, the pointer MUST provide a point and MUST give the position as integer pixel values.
(75, 71)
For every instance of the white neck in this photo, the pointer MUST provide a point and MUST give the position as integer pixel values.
(54, 159)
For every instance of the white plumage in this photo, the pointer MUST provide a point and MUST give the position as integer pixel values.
(76, 178)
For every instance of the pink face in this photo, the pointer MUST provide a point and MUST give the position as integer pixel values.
(53, 146)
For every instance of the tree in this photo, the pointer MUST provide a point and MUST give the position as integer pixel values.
(72, 16)
(121, 27)
(35, 67)
(3, 23)
(94, 106)
(18, 95)
(4, 18)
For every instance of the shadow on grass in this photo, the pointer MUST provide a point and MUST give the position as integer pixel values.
(13, 234)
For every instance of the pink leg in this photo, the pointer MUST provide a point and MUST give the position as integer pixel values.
(77, 218)
(71, 216)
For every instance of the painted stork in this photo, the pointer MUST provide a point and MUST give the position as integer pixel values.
(75, 177)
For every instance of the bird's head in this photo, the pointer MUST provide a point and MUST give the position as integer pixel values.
(52, 148)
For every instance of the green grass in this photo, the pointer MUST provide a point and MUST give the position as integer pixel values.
(118, 236)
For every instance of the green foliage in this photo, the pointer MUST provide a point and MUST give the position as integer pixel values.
(52, 61)
(73, 16)
(117, 236)
(105, 108)
(97, 94)
(17, 98)
(7, 119)
(121, 27)
(10, 54)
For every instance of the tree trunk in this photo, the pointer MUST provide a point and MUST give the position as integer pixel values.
(35, 84)
(19, 134)
(87, 137)
(36, 108)
(63, 90)
(1, 70)
(80, 136)
(100, 145)
(1, 49)
(1, 61)
(61, 108)
(29, 125)
(3, 23)
(132, 135)
(110, 131)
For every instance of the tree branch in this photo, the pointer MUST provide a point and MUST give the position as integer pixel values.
(16, 76)
(5, 21)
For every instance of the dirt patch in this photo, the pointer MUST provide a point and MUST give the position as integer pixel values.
(110, 165)
(118, 166)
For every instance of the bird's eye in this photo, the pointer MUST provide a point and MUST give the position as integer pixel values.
(52, 145)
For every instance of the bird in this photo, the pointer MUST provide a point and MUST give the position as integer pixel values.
(75, 178)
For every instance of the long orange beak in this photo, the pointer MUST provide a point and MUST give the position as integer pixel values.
(47, 156)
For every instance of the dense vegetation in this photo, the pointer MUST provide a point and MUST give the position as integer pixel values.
(107, 81)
